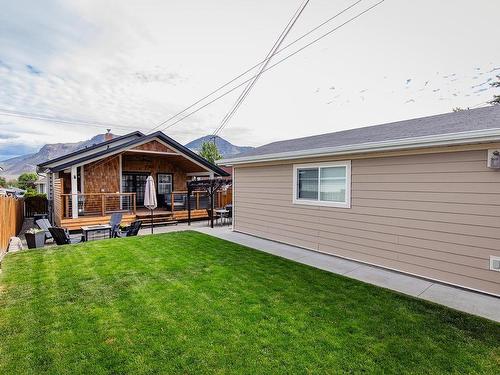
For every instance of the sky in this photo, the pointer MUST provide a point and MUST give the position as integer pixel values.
(129, 65)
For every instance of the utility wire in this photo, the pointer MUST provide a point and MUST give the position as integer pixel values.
(34, 116)
(278, 62)
(255, 66)
(263, 66)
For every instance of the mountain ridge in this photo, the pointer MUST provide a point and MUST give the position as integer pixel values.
(13, 167)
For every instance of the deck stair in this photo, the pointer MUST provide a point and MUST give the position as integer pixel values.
(159, 218)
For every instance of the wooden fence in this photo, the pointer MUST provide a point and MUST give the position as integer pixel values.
(57, 200)
(11, 220)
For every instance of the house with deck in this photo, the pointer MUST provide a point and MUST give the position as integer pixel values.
(85, 187)
(420, 196)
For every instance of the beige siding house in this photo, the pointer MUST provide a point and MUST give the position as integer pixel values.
(420, 196)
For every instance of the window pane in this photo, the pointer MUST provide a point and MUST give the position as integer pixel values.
(307, 183)
(333, 184)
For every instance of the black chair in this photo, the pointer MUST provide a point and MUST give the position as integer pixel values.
(130, 231)
(61, 236)
(216, 216)
(114, 223)
(229, 214)
(44, 224)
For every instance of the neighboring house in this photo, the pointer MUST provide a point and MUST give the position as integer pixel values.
(420, 196)
(12, 191)
(41, 184)
(87, 186)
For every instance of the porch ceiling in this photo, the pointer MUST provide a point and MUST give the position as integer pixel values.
(149, 158)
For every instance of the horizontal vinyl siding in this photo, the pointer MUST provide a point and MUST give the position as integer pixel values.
(434, 215)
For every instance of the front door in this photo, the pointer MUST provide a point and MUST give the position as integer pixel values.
(164, 188)
(135, 183)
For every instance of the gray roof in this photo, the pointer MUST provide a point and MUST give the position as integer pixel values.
(448, 123)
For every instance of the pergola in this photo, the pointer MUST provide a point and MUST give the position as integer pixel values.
(211, 187)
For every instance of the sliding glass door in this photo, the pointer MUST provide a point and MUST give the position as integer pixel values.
(135, 183)
(164, 188)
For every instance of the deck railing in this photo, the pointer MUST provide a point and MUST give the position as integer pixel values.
(98, 204)
(199, 200)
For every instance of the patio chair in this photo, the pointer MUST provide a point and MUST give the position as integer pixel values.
(228, 216)
(216, 215)
(114, 223)
(62, 237)
(44, 224)
(130, 231)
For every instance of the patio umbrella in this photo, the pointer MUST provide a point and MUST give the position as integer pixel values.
(150, 197)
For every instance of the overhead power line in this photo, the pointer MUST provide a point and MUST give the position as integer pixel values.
(34, 116)
(276, 63)
(263, 66)
(255, 66)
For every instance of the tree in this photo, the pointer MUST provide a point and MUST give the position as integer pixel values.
(496, 98)
(3, 182)
(12, 183)
(210, 152)
(27, 181)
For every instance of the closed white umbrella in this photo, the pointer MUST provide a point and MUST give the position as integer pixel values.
(150, 197)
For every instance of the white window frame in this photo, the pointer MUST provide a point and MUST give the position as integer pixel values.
(318, 202)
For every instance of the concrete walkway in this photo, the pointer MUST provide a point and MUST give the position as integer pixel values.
(456, 298)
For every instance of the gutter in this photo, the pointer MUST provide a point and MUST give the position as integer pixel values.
(450, 139)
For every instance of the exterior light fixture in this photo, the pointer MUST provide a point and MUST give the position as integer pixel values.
(494, 159)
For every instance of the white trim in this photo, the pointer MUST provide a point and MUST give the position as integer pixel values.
(233, 186)
(476, 136)
(371, 264)
(82, 182)
(191, 174)
(494, 259)
(318, 202)
(154, 152)
(120, 171)
(74, 193)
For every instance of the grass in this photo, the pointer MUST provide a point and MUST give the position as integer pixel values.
(190, 303)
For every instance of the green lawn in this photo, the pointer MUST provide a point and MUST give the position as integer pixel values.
(190, 303)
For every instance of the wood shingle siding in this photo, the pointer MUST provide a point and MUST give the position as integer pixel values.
(434, 215)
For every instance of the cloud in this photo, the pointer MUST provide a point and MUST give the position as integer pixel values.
(33, 70)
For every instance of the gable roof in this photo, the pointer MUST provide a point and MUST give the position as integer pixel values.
(474, 125)
(63, 163)
(113, 141)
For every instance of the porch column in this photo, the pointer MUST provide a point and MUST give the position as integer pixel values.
(74, 192)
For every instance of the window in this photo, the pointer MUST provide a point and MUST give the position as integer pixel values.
(324, 184)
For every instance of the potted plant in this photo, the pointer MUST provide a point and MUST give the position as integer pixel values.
(35, 238)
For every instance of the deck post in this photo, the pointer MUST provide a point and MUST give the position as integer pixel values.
(74, 192)
(212, 207)
(189, 203)
(134, 203)
(103, 205)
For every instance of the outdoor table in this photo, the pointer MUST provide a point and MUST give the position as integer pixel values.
(221, 212)
(96, 228)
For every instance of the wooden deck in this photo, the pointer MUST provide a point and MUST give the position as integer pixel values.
(160, 217)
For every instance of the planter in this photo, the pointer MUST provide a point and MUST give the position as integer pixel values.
(35, 240)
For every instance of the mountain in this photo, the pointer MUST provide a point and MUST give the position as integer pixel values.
(225, 148)
(27, 163)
